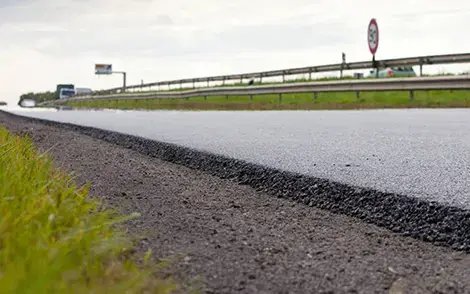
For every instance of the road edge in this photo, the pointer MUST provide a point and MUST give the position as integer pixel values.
(427, 221)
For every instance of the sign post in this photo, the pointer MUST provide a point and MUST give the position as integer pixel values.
(107, 69)
(343, 63)
(373, 41)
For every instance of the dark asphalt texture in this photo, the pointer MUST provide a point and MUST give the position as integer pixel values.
(410, 216)
(422, 153)
(239, 240)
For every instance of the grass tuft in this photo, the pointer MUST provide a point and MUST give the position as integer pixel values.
(54, 238)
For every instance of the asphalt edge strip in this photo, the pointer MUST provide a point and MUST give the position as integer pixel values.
(427, 221)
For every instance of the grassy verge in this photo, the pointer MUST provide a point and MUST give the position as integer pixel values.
(265, 82)
(343, 100)
(54, 239)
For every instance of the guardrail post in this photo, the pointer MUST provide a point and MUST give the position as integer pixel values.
(283, 78)
(315, 96)
(226, 97)
(205, 97)
(223, 81)
(123, 81)
(194, 84)
(261, 79)
(251, 98)
(358, 95)
(309, 74)
(412, 95)
(280, 98)
(207, 83)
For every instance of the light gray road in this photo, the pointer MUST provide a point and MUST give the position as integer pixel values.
(422, 153)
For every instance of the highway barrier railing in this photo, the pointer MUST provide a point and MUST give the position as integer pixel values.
(408, 61)
(461, 82)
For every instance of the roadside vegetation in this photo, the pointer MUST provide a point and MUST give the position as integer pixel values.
(39, 97)
(342, 100)
(257, 82)
(54, 239)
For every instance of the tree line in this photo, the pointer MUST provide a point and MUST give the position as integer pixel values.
(40, 96)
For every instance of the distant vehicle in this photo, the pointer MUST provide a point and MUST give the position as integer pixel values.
(399, 71)
(358, 75)
(2, 103)
(27, 103)
(63, 86)
(79, 91)
(66, 93)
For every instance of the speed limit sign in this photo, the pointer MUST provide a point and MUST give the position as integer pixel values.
(373, 36)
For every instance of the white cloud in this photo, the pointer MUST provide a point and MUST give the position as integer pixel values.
(46, 42)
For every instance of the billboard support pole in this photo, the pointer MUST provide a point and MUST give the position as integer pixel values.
(124, 77)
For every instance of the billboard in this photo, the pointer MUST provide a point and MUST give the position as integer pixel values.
(103, 69)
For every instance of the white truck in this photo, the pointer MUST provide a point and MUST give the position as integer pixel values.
(67, 93)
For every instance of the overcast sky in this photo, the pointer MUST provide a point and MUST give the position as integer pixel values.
(46, 42)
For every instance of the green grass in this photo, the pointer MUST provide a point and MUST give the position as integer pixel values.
(265, 82)
(341, 100)
(54, 239)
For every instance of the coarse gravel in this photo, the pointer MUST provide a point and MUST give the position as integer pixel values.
(239, 240)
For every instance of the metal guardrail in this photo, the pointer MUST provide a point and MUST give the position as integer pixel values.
(409, 61)
(385, 84)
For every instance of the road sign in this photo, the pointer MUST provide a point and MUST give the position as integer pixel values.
(103, 69)
(373, 36)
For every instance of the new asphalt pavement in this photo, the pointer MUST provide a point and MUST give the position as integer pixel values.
(423, 153)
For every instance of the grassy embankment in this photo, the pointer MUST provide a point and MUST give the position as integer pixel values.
(333, 100)
(54, 239)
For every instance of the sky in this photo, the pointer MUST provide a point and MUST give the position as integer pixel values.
(48, 42)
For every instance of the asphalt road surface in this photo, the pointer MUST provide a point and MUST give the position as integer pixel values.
(234, 239)
(419, 153)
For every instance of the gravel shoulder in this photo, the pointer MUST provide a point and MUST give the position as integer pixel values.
(233, 238)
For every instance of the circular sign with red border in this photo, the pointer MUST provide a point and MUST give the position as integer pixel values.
(373, 36)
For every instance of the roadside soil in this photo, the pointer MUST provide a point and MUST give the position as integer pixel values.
(230, 238)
